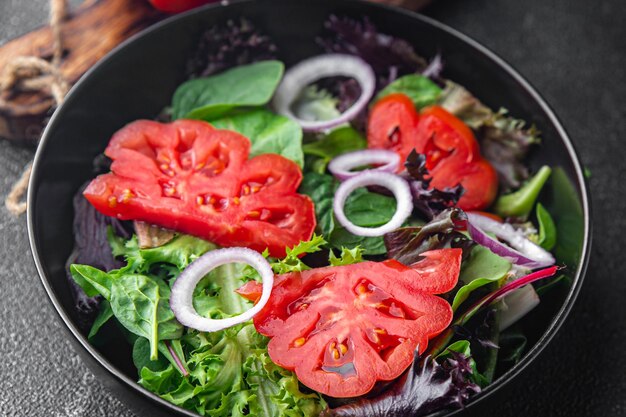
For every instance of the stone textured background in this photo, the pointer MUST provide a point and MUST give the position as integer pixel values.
(572, 51)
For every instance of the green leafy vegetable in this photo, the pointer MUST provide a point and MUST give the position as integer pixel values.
(315, 104)
(103, 316)
(141, 304)
(211, 97)
(339, 141)
(463, 347)
(268, 133)
(521, 202)
(362, 207)
(421, 90)
(92, 280)
(512, 346)
(321, 188)
(547, 228)
(292, 262)
(347, 256)
(483, 267)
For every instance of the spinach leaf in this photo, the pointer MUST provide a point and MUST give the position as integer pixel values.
(105, 313)
(547, 228)
(268, 133)
(481, 268)
(362, 207)
(92, 280)
(421, 90)
(321, 188)
(141, 304)
(211, 97)
(141, 356)
(337, 142)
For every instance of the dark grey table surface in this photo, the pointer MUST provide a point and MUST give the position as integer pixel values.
(572, 51)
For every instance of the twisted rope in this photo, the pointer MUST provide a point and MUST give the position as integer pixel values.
(33, 74)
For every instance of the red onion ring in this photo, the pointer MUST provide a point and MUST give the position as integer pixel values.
(394, 183)
(181, 298)
(521, 250)
(341, 166)
(313, 69)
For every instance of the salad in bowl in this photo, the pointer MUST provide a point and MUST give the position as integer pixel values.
(351, 234)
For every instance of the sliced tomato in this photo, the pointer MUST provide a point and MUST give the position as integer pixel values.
(188, 176)
(177, 6)
(343, 328)
(452, 152)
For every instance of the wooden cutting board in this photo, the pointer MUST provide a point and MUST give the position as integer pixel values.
(89, 32)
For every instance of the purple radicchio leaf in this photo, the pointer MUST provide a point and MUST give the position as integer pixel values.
(408, 243)
(431, 201)
(91, 247)
(235, 43)
(389, 57)
(426, 387)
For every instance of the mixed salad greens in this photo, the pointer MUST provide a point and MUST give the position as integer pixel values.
(355, 235)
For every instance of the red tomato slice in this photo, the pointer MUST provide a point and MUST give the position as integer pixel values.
(195, 179)
(452, 152)
(343, 328)
(177, 6)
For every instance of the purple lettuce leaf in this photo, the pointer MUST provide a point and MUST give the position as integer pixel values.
(426, 387)
(91, 247)
(234, 43)
(408, 243)
(432, 201)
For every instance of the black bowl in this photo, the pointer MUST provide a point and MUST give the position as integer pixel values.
(137, 80)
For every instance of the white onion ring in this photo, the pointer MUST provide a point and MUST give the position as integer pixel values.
(521, 250)
(181, 298)
(341, 166)
(393, 183)
(313, 69)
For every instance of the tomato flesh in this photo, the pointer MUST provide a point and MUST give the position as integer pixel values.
(342, 329)
(177, 6)
(452, 152)
(188, 176)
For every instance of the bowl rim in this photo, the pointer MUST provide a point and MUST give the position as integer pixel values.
(504, 380)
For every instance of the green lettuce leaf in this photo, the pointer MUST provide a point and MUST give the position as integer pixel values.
(421, 90)
(211, 97)
(483, 267)
(268, 133)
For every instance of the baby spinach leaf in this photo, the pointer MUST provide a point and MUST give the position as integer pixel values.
(141, 304)
(421, 90)
(547, 228)
(363, 208)
(211, 97)
(141, 356)
(337, 142)
(103, 316)
(268, 133)
(481, 268)
(321, 188)
(92, 280)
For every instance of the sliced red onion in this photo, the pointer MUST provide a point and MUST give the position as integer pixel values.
(393, 183)
(313, 69)
(516, 305)
(521, 250)
(181, 298)
(342, 165)
(434, 67)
